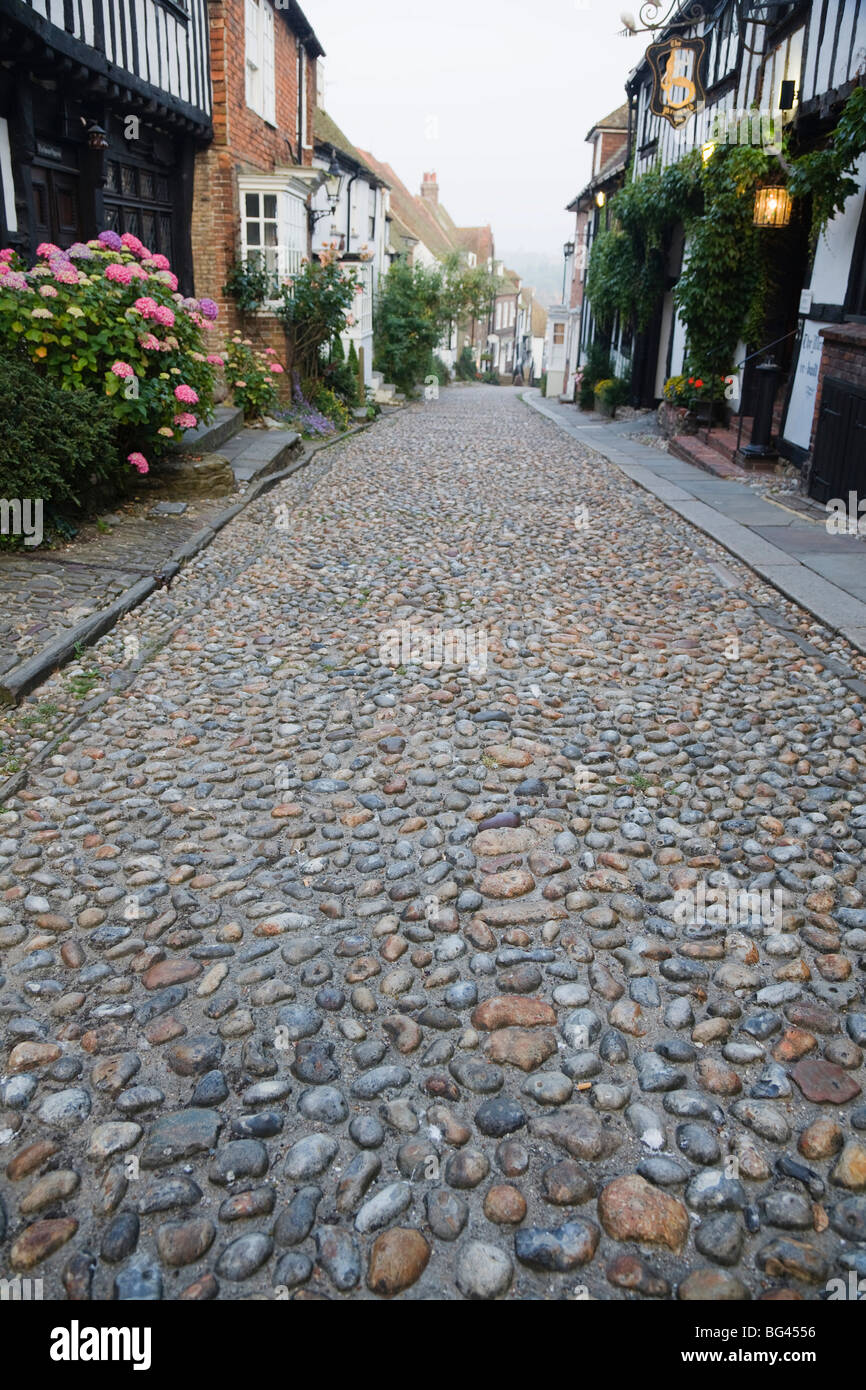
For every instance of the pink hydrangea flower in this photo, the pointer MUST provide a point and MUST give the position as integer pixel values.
(146, 306)
(186, 395)
(163, 315)
(168, 278)
(65, 274)
(45, 249)
(16, 280)
(133, 244)
(215, 360)
(138, 461)
(158, 262)
(270, 352)
(120, 274)
(149, 342)
(122, 369)
(185, 421)
(48, 291)
(276, 369)
(6, 254)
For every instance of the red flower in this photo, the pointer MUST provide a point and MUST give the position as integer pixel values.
(699, 383)
(691, 381)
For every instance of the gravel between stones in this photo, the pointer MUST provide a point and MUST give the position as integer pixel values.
(323, 974)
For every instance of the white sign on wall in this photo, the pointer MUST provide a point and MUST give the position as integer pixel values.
(801, 408)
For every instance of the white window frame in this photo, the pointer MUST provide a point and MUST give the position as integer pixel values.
(259, 40)
(302, 99)
(283, 258)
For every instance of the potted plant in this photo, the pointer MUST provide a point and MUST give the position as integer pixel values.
(610, 393)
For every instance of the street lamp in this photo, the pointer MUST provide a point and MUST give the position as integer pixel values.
(568, 252)
(334, 183)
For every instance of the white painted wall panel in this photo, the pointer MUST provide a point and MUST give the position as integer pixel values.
(832, 267)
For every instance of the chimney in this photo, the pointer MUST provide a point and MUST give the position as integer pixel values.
(430, 189)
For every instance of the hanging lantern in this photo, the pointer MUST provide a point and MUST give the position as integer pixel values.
(772, 207)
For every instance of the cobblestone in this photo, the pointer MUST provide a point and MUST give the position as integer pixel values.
(328, 974)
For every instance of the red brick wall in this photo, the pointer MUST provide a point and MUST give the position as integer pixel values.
(844, 357)
(243, 143)
(612, 142)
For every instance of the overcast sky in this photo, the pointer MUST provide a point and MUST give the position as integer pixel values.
(496, 97)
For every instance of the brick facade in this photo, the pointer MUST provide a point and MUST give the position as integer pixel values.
(244, 143)
(844, 358)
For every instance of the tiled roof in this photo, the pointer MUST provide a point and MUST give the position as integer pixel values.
(476, 239)
(412, 212)
(327, 132)
(617, 120)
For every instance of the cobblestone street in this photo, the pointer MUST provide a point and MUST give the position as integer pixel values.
(536, 975)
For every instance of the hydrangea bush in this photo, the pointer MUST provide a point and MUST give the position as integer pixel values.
(107, 317)
(252, 375)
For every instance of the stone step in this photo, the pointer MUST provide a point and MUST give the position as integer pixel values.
(254, 454)
(228, 420)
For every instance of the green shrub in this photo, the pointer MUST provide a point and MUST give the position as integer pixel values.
(440, 370)
(408, 325)
(340, 376)
(106, 316)
(598, 365)
(60, 446)
(542, 385)
(586, 393)
(327, 402)
(316, 306)
(490, 378)
(355, 368)
(465, 369)
(249, 285)
(251, 377)
(612, 393)
(686, 390)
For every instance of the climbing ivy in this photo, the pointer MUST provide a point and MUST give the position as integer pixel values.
(720, 293)
(627, 267)
(827, 175)
(722, 289)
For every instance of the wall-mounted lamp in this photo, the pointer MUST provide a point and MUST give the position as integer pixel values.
(772, 207)
(600, 199)
(96, 137)
(707, 152)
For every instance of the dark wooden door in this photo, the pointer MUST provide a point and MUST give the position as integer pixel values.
(56, 206)
(839, 462)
